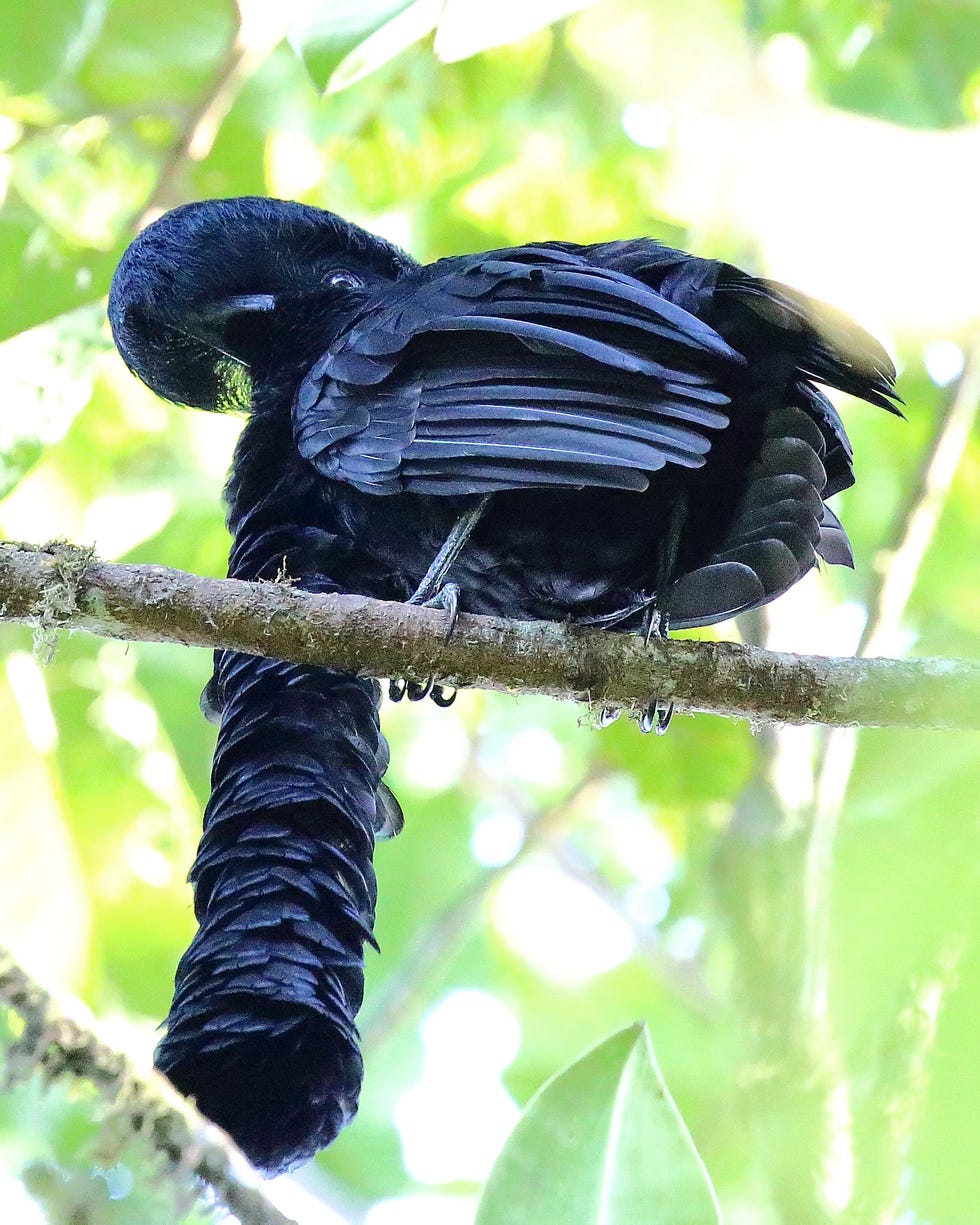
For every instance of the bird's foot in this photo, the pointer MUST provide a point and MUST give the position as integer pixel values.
(415, 691)
(447, 598)
(656, 623)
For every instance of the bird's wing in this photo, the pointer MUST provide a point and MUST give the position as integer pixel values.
(514, 369)
(781, 333)
(779, 523)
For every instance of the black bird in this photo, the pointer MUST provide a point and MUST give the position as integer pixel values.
(619, 434)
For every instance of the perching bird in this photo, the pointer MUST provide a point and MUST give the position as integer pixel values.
(619, 434)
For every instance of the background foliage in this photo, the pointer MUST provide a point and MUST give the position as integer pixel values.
(794, 914)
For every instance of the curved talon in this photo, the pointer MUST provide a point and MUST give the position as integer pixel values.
(654, 624)
(443, 695)
(417, 690)
(396, 688)
(447, 597)
(657, 716)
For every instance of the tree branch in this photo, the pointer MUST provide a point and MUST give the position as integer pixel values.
(52, 1044)
(62, 586)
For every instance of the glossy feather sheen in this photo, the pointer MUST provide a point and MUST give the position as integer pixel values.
(601, 394)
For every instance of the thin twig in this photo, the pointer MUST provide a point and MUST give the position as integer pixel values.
(916, 524)
(914, 527)
(888, 599)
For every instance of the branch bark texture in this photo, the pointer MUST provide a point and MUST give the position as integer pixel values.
(62, 586)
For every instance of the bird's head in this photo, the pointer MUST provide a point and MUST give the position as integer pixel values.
(216, 295)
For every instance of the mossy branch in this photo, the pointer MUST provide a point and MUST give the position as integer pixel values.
(60, 586)
(53, 1045)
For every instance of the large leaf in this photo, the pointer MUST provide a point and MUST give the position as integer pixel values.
(470, 26)
(602, 1143)
(341, 41)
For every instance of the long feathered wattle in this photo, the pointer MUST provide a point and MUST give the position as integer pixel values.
(261, 1030)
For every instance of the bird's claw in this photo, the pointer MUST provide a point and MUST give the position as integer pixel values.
(656, 717)
(655, 623)
(447, 597)
(415, 691)
(443, 695)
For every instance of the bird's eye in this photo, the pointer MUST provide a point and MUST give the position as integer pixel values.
(345, 280)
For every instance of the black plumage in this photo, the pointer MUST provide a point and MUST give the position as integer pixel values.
(649, 427)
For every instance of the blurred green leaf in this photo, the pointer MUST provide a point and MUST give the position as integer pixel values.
(470, 26)
(47, 376)
(903, 61)
(51, 929)
(341, 41)
(601, 1144)
(149, 54)
(43, 274)
(41, 40)
(85, 182)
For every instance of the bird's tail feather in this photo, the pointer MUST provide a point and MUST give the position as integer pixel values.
(837, 351)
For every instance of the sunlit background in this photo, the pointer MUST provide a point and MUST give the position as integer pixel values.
(794, 913)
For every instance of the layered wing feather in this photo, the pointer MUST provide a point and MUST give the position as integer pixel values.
(788, 338)
(779, 524)
(511, 370)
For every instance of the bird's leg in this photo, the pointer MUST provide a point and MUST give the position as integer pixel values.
(428, 589)
(433, 593)
(657, 715)
(656, 617)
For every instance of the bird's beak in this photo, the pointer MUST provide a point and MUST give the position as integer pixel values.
(218, 323)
